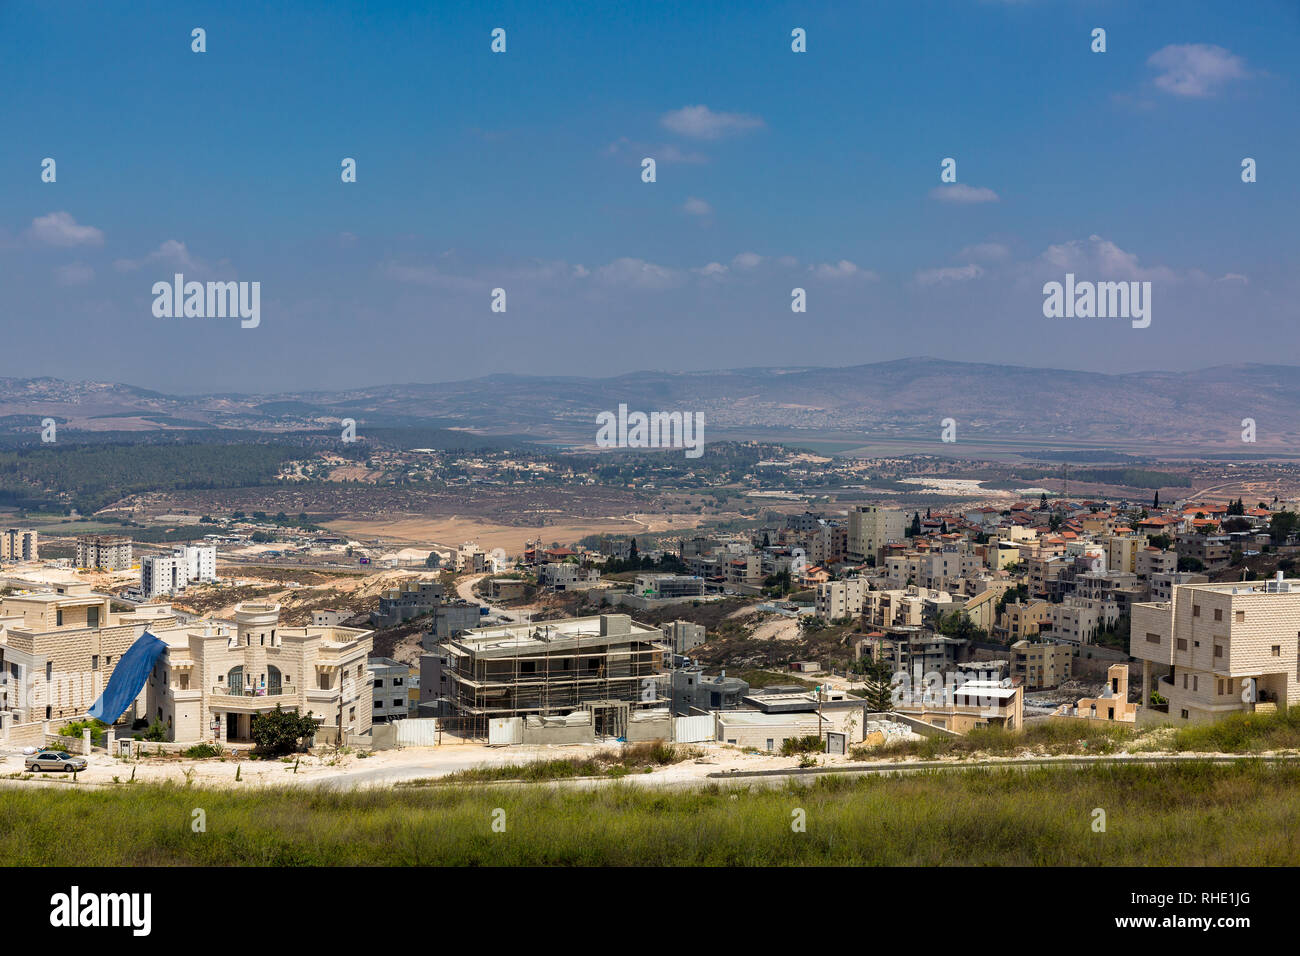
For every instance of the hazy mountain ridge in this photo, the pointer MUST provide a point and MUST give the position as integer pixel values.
(907, 396)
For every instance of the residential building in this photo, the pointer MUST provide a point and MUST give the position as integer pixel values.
(1112, 706)
(1041, 664)
(389, 689)
(961, 707)
(566, 576)
(167, 574)
(836, 600)
(104, 552)
(683, 636)
(213, 678)
(1231, 647)
(870, 529)
(667, 586)
(58, 649)
(693, 692)
(604, 662)
(1163, 584)
(19, 544)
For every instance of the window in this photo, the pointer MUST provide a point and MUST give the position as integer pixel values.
(1184, 715)
(1196, 682)
(1196, 610)
(49, 670)
(397, 703)
(1239, 616)
(379, 705)
(397, 682)
(92, 617)
(1153, 638)
(1277, 650)
(1218, 650)
(94, 662)
(378, 683)
(1182, 643)
(58, 618)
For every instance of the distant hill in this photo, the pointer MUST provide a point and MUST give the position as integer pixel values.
(898, 399)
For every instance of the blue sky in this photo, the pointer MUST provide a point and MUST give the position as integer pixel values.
(522, 171)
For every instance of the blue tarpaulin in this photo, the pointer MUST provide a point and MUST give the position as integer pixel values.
(128, 678)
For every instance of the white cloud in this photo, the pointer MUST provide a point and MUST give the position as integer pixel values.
(700, 122)
(173, 253)
(697, 207)
(1100, 259)
(986, 251)
(1234, 277)
(712, 269)
(638, 273)
(747, 260)
(960, 192)
(842, 270)
(1195, 69)
(949, 274)
(60, 229)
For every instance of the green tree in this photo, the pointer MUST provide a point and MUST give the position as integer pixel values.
(1282, 525)
(279, 731)
(879, 690)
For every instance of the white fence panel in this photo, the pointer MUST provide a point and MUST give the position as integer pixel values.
(690, 730)
(417, 732)
(505, 730)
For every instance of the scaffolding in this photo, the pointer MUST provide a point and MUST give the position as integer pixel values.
(554, 668)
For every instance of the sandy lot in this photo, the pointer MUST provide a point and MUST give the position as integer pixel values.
(455, 530)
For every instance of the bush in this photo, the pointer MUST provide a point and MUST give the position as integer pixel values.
(279, 731)
(75, 728)
(200, 751)
(813, 743)
(156, 733)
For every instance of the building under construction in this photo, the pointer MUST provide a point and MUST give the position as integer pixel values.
(607, 664)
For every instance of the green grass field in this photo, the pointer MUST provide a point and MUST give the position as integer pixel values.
(1245, 813)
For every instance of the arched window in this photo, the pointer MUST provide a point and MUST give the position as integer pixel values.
(273, 684)
(236, 680)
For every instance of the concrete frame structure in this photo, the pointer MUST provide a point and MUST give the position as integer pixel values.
(551, 668)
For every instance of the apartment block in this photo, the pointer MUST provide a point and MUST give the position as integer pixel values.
(19, 544)
(870, 529)
(836, 600)
(1024, 619)
(389, 689)
(104, 552)
(1041, 664)
(167, 574)
(1231, 647)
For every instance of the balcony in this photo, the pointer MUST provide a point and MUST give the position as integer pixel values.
(254, 698)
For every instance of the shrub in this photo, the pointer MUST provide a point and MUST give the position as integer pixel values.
(279, 731)
(813, 743)
(200, 751)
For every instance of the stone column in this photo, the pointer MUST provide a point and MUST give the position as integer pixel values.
(108, 740)
(1146, 684)
(85, 741)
